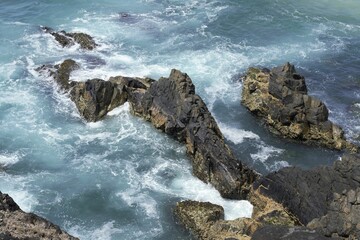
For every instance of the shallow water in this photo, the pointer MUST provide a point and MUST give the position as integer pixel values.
(120, 178)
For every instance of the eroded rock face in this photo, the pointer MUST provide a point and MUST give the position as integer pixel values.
(69, 39)
(16, 224)
(343, 218)
(171, 105)
(280, 97)
(308, 194)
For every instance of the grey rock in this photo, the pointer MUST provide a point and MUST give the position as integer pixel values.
(308, 194)
(343, 217)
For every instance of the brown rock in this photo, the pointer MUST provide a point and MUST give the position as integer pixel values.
(280, 97)
(16, 224)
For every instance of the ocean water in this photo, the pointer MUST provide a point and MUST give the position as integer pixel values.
(120, 178)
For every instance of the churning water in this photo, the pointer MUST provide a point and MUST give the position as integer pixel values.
(120, 178)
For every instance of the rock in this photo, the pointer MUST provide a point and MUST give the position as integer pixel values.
(206, 220)
(93, 98)
(308, 194)
(96, 97)
(69, 39)
(343, 217)
(16, 224)
(280, 98)
(172, 106)
(274, 232)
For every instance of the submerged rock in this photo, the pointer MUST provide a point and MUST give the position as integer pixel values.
(280, 97)
(69, 39)
(16, 224)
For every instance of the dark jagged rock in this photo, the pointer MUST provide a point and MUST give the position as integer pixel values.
(308, 194)
(68, 39)
(96, 97)
(343, 218)
(16, 224)
(280, 97)
(7, 203)
(274, 232)
(172, 106)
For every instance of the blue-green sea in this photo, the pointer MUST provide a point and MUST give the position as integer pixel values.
(120, 178)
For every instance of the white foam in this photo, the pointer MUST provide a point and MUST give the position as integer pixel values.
(236, 135)
(105, 232)
(265, 151)
(134, 198)
(9, 159)
(119, 110)
(16, 187)
(194, 189)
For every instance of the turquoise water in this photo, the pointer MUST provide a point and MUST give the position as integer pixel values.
(120, 178)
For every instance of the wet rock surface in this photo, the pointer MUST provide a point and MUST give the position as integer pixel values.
(280, 97)
(16, 224)
(308, 194)
(172, 106)
(69, 39)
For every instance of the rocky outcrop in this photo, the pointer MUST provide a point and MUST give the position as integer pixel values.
(327, 194)
(69, 39)
(16, 224)
(280, 98)
(172, 106)
(343, 217)
(326, 200)
(206, 220)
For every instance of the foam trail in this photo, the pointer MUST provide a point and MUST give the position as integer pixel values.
(195, 189)
(237, 136)
(9, 159)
